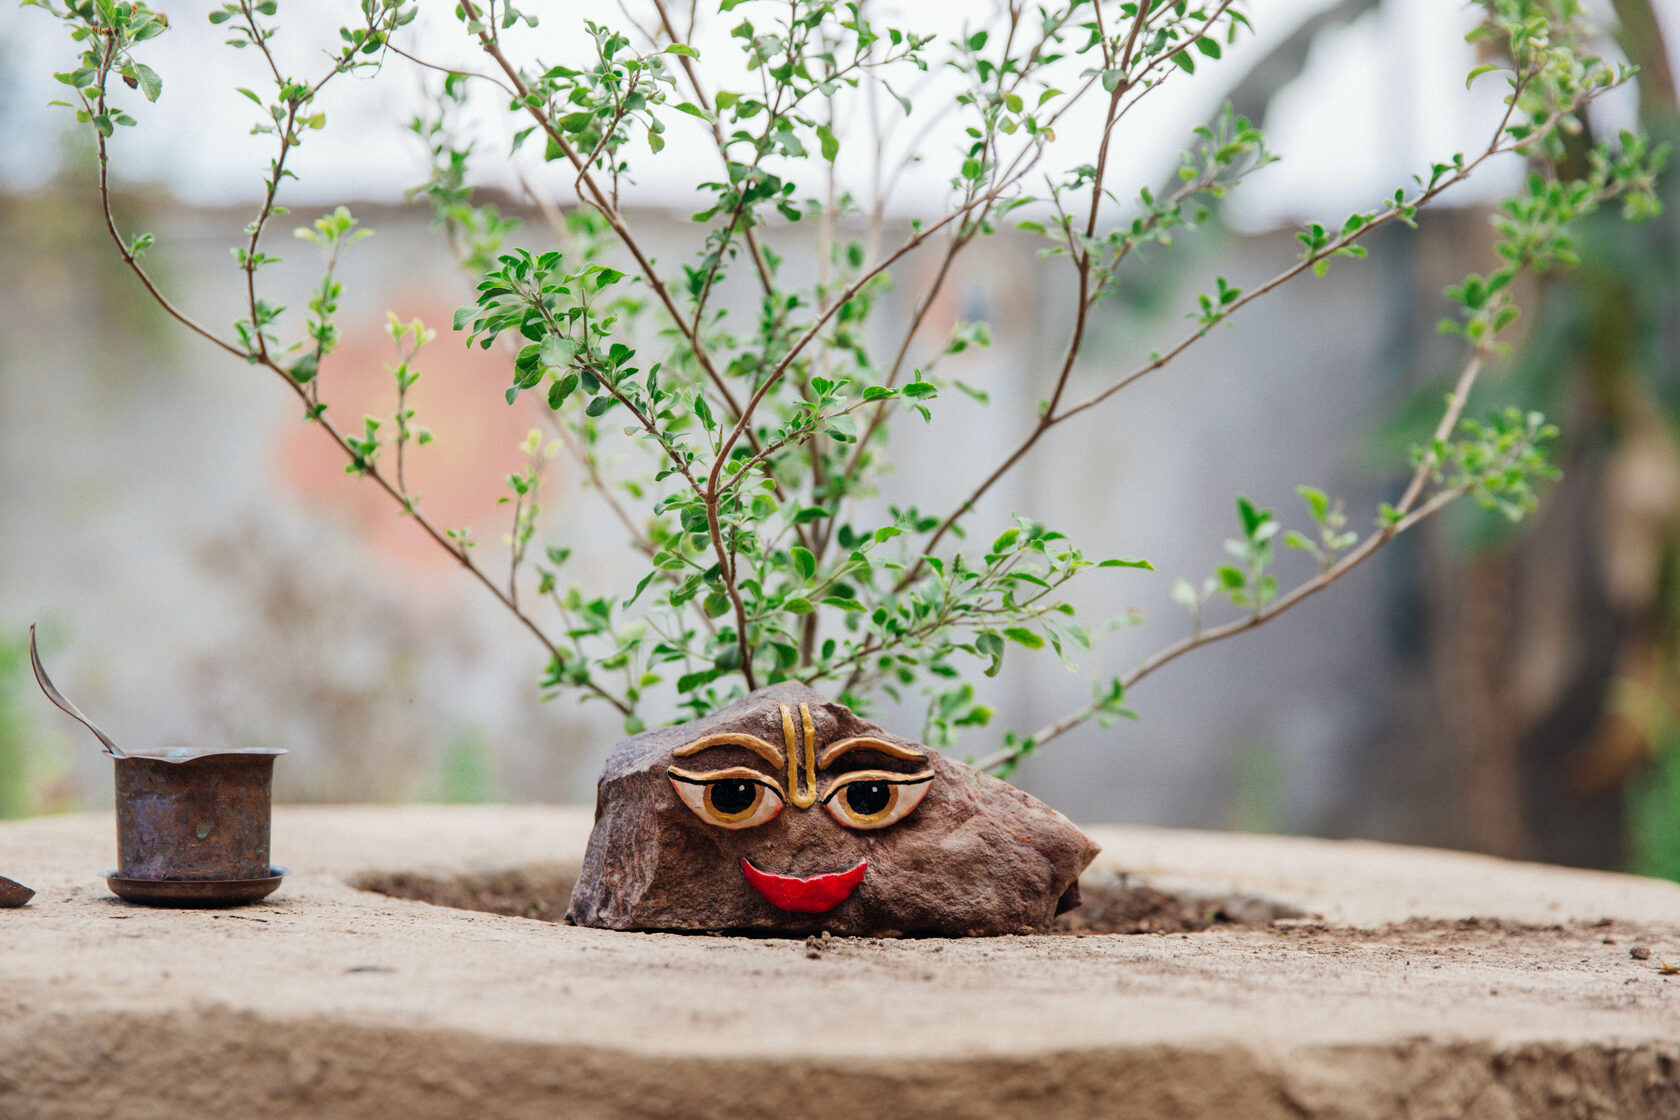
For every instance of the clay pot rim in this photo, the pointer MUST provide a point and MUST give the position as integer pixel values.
(194, 754)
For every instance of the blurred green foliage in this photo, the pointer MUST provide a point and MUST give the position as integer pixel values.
(1602, 352)
(466, 773)
(1653, 814)
(30, 762)
(1259, 777)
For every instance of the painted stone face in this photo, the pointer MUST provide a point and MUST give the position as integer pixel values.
(787, 814)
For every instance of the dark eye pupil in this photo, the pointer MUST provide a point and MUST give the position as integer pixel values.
(868, 798)
(735, 796)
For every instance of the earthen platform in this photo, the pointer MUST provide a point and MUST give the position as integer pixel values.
(1414, 983)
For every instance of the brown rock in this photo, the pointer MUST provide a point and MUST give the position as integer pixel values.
(14, 893)
(889, 836)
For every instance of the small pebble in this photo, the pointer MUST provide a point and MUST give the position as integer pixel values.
(1640, 953)
(13, 893)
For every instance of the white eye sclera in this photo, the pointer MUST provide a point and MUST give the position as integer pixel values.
(733, 798)
(870, 799)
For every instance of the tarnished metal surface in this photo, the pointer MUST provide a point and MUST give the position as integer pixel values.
(13, 893)
(213, 892)
(194, 815)
(63, 704)
(195, 819)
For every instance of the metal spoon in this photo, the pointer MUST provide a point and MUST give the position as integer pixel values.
(64, 705)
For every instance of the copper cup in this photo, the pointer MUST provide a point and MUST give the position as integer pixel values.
(188, 815)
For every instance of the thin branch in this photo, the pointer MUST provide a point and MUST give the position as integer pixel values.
(694, 83)
(598, 199)
(1351, 560)
(909, 245)
(311, 408)
(959, 241)
(1050, 417)
(793, 438)
(516, 552)
(450, 70)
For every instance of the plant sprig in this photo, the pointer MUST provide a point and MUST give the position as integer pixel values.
(737, 444)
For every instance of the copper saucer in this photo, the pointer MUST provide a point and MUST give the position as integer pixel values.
(195, 892)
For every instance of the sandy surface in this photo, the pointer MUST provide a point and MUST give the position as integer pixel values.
(1430, 984)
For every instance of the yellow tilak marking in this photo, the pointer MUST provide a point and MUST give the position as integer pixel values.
(810, 754)
(795, 798)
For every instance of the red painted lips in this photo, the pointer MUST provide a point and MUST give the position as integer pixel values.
(816, 895)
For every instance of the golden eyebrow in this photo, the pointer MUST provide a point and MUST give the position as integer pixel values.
(766, 751)
(744, 773)
(869, 743)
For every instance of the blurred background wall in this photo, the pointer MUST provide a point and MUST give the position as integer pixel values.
(204, 571)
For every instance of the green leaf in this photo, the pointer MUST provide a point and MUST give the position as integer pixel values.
(804, 562)
(303, 370)
(1144, 564)
(1478, 72)
(150, 84)
(561, 389)
(1252, 518)
(830, 146)
(556, 351)
(1318, 502)
(642, 586)
(682, 49)
(798, 605)
(688, 682)
(599, 405)
(1025, 637)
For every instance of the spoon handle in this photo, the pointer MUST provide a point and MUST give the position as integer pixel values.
(64, 705)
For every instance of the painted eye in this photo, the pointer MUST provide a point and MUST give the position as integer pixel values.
(871, 799)
(734, 798)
